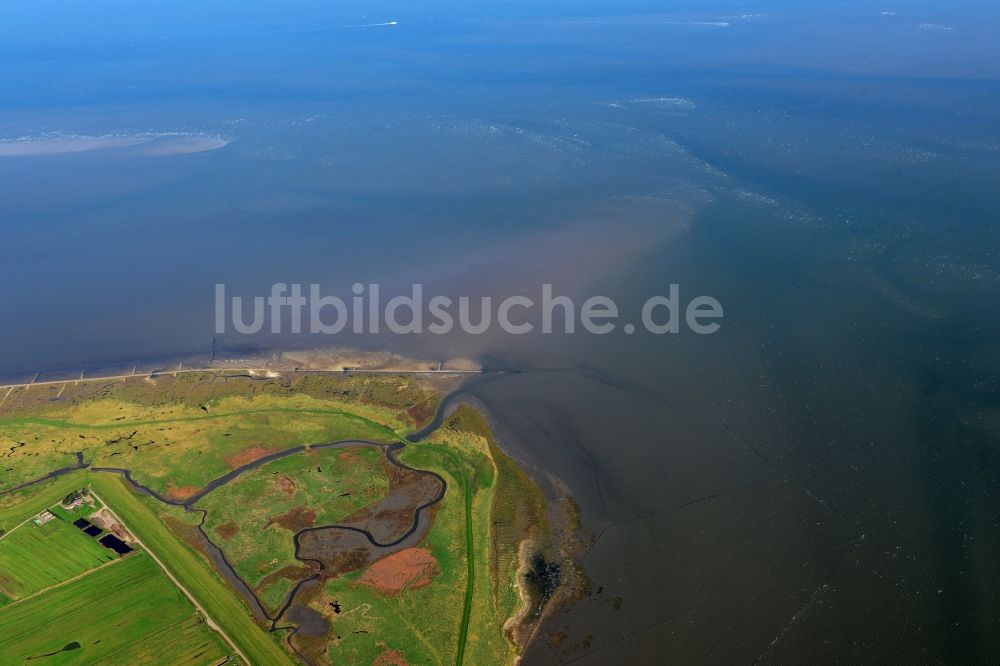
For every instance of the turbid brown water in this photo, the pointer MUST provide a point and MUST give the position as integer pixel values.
(810, 483)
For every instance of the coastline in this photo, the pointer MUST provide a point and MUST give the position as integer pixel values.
(339, 361)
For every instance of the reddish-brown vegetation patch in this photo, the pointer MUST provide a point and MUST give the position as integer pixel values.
(408, 569)
(180, 492)
(227, 530)
(421, 412)
(294, 520)
(347, 457)
(247, 456)
(389, 658)
(285, 485)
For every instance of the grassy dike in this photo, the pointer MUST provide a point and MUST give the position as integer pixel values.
(212, 593)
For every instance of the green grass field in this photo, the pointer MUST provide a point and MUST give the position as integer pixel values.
(176, 434)
(124, 613)
(458, 618)
(21, 505)
(254, 517)
(422, 624)
(177, 455)
(34, 557)
(193, 572)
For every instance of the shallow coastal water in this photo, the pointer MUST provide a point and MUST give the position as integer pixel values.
(815, 481)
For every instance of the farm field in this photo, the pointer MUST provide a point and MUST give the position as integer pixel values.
(125, 613)
(20, 505)
(34, 557)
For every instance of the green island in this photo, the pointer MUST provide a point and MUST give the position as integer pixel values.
(225, 516)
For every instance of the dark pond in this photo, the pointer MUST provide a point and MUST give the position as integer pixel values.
(115, 544)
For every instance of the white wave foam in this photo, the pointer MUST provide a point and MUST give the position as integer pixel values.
(709, 24)
(682, 103)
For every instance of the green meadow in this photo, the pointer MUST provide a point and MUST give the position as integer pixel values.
(125, 613)
(34, 557)
(254, 517)
(177, 434)
(21, 505)
(459, 617)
